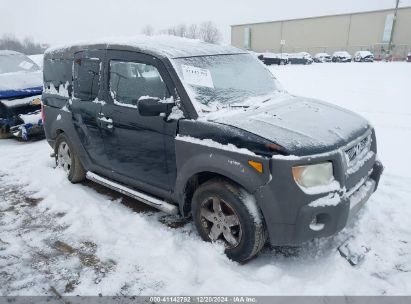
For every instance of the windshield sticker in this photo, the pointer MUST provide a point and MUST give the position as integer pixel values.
(26, 65)
(197, 76)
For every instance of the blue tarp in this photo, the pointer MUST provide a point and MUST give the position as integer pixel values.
(20, 93)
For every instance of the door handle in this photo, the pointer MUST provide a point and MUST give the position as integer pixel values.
(106, 122)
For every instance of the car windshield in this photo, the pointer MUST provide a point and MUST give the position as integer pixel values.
(218, 81)
(16, 63)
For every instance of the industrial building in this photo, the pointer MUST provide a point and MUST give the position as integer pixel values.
(352, 32)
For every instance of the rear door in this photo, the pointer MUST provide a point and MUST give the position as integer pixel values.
(138, 147)
(85, 108)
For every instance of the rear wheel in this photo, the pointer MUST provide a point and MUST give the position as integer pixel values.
(67, 159)
(223, 211)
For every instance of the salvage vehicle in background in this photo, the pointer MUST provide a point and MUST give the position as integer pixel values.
(300, 58)
(341, 56)
(409, 57)
(363, 56)
(21, 85)
(273, 58)
(322, 57)
(206, 131)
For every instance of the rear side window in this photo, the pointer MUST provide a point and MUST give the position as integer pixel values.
(58, 73)
(129, 81)
(86, 78)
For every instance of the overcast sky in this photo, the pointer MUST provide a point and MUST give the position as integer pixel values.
(56, 21)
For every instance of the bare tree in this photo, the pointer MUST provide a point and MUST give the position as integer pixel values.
(209, 32)
(192, 31)
(181, 30)
(206, 31)
(27, 46)
(148, 30)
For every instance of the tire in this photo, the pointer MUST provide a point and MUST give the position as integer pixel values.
(237, 215)
(68, 160)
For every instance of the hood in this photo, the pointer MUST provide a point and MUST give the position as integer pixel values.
(302, 126)
(20, 84)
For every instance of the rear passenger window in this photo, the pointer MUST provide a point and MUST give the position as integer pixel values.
(129, 81)
(58, 74)
(86, 78)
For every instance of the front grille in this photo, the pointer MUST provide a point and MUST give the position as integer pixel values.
(358, 150)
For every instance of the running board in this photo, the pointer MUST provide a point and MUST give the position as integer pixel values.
(145, 198)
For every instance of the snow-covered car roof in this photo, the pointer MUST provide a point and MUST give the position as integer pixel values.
(275, 55)
(322, 55)
(298, 55)
(160, 46)
(364, 53)
(341, 53)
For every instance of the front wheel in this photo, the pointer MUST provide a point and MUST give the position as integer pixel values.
(68, 160)
(223, 211)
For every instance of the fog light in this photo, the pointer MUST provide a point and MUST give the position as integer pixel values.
(316, 225)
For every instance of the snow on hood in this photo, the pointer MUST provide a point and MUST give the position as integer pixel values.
(20, 84)
(301, 125)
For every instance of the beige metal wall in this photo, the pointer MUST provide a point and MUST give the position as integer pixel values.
(349, 32)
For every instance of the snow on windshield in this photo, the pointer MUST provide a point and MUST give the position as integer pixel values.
(215, 82)
(16, 63)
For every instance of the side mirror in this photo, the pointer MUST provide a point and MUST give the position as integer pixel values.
(152, 106)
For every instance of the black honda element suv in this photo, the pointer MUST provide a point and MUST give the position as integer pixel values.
(206, 131)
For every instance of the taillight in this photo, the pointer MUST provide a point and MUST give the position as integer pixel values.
(43, 115)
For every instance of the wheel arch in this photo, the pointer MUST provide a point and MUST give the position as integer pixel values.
(196, 168)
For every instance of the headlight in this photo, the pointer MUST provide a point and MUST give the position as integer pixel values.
(314, 175)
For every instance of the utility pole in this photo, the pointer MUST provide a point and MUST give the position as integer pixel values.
(393, 26)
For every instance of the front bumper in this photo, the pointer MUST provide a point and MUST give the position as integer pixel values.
(291, 215)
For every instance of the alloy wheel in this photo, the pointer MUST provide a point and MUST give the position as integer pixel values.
(220, 221)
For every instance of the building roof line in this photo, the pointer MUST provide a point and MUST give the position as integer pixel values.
(322, 16)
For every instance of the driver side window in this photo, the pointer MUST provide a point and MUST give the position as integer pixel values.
(129, 81)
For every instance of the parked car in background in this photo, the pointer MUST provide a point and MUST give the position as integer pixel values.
(21, 84)
(300, 58)
(363, 56)
(341, 56)
(322, 57)
(206, 131)
(273, 58)
(409, 57)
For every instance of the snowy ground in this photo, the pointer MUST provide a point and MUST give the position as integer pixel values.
(56, 237)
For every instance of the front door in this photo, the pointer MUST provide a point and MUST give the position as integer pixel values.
(135, 144)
